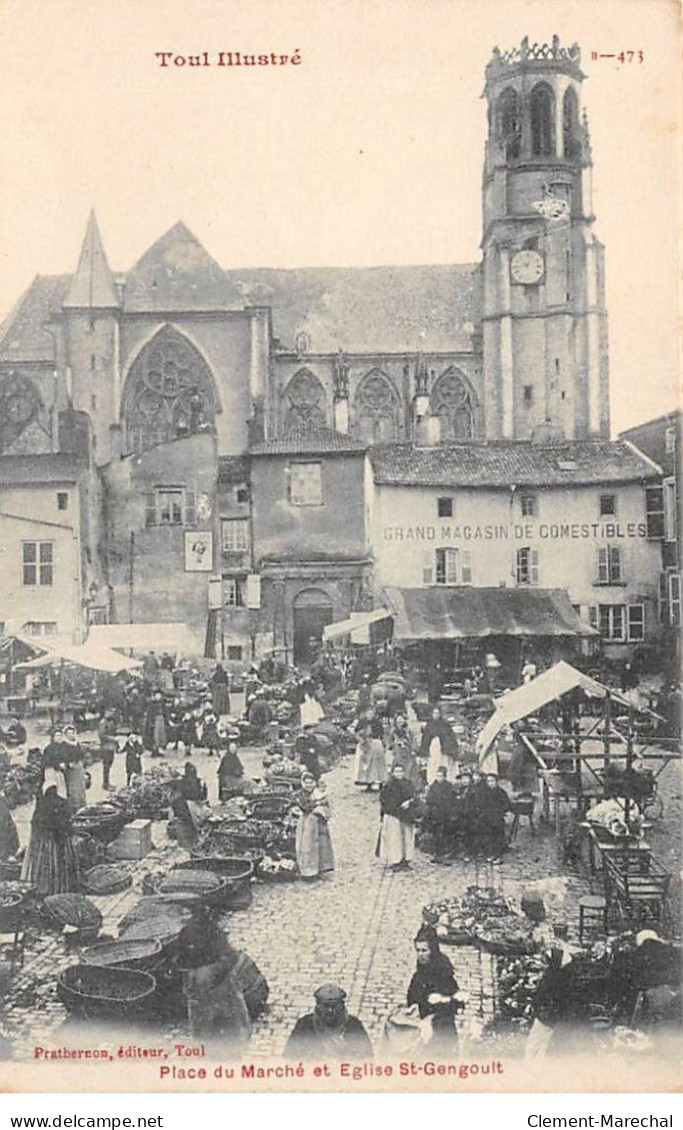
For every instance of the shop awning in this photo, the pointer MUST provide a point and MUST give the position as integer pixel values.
(174, 637)
(530, 697)
(474, 613)
(94, 656)
(357, 626)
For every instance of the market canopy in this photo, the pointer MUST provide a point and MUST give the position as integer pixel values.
(530, 697)
(169, 636)
(451, 613)
(94, 656)
(357, 626)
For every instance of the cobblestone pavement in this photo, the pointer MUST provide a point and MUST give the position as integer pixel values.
(354, 928)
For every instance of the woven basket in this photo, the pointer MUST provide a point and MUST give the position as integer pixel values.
(73, 910)
(133, 953)
(104, 991)
(191, 887)
(107, 879)
(235, 875)
(162, 928)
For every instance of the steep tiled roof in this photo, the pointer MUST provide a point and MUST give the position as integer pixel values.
(23, 335)
(375, 310)
(501, 463)
(314, 441)
(177, 273)
(368, 309)
(56, 467)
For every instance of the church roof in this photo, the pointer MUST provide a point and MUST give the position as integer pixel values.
(375, 310)
(499, 463)
(24, 334)
(93, 285)
(177, 273)
(369, 310)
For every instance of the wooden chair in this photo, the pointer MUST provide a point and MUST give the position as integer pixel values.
(638, 888)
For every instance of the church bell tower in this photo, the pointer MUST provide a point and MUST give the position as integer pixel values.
(545, 322)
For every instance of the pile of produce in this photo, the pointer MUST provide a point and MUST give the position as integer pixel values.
(13, 888)
(482, 916)
(283, 772)
(103, 821)
(149, 797)
(232, 830)
(274, 869)
(518, 978)
(19, 783)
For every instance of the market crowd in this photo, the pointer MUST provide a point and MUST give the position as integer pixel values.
(425, 788)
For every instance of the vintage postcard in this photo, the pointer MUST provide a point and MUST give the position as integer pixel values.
(340, 546)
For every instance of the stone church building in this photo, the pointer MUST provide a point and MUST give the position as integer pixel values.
(217, 421)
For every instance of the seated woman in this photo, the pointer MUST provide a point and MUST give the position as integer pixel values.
(230, 774)
(191, 785)
(259, 716)
(314, 854)
(15, 734)
(50, 863)
(434, 989)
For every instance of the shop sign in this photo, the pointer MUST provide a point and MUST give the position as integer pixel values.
(519, 531)
(198, 551)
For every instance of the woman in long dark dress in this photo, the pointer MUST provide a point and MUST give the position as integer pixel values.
(50, 863)
(220, 691)
(397, 832)
(440, 747)
(434, 989)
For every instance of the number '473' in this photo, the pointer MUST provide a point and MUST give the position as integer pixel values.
(630, 57)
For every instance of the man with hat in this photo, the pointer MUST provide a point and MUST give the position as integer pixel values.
(329, 1032)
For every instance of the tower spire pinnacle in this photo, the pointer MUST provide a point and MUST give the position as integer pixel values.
(92, 286)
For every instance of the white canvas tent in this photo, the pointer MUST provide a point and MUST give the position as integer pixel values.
(530, 697)
(94, 656)
(357, 626)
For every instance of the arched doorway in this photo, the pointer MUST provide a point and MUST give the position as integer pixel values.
(311, 611)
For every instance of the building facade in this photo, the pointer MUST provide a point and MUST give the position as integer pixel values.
(661, 440)
(204, 404)
(574, 517)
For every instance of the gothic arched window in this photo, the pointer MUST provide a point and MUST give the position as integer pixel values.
(508, 122)
(571, 145)
(168, 393)
(377, 409)
(20, 406)
(542, 114)
(304, 403)
(453, 402)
